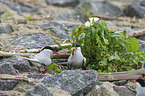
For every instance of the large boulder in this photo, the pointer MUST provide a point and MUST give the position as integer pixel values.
(21, 7)
(63, 3)
(76, 82)
(136, 9)
(7, 69)
(39, 90)
(18, 63)
(123, 91)
(95, 7)
(34, 41)
(105, 89)
(60, 28)
(70, 16)
(6, 29)
(7, 84)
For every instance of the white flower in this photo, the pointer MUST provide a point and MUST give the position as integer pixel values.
(87, 24)
(95, 19)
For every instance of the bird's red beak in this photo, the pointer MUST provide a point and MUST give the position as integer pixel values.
(134, 81)
(56, 53)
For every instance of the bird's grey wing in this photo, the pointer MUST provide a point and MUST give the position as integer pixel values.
(44, 58)
(69, 61)
(84, 62)
(33, 61)
(46, 61)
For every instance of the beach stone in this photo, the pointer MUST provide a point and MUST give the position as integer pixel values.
(34, 41)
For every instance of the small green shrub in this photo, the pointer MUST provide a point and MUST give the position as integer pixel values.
(8, 14)
(105, 49)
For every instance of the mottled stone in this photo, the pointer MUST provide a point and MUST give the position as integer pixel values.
(123, 91)
(18, 63)
(39, 90)
(7, 84)
(120, 83)
(70, 16)
(63, 3)
(6, 29)
(58, 92)
(7, 69)
(34, 41)
(96, 7)
(135, 9)
(105, 89)
(76, 82)
(142, 45)
(22, 7)
(61, 29)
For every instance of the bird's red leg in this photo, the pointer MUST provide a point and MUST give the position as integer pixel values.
(39, 70)
(45, 69)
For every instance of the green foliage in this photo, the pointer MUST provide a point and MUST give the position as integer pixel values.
(53, 67)
(8, 14)
(133, 45)
(105, 49)
(28, 18)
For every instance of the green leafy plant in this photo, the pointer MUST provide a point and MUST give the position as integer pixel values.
(54, 68)
(105, 49)
(8, 14)
(28, 18)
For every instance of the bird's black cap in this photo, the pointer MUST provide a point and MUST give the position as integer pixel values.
(48, 47)
(76, 45)
(141, 82)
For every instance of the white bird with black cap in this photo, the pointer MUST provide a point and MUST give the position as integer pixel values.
(42, 59)
(140, 87)
(76, 59)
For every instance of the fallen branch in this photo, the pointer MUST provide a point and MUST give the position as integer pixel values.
(127, 75)
(112, 18)
(9, 54)
(136, 33)
(11, 77)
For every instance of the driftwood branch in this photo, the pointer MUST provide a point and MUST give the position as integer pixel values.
(112, 18)
(127, 75)
(11, 77)
(136, 33)
(9, 54)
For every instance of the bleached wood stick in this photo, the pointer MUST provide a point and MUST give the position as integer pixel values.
(136, 33)
(127, 75)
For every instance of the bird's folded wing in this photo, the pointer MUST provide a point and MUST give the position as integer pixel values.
(84, 62)
(33, 61)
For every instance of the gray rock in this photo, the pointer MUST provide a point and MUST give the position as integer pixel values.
(123, 91)
(36, 76)
(63, 3)
(70, 16)
(142, 45)
(39, 90)
(34, 41)
(18, 63)
(105, 89)
(7, 69)
(135, 9)
(98, 8)
(7, 84)
(58, 92)
(6, 29)
(61, 29)
(3, 94)
(76, 82)
(21, 7)
(120, 83)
